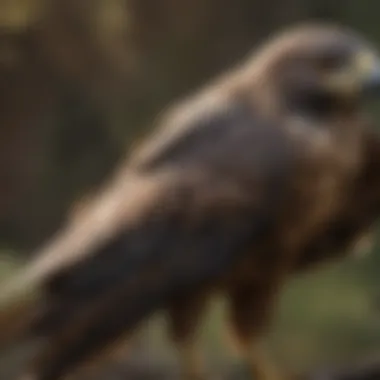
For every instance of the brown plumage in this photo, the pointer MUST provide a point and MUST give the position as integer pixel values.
(225, 197)
(352, 229)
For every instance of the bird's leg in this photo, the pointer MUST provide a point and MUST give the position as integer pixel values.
(184, 317)
(250, 311)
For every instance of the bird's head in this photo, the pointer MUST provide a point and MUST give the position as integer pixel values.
(318, 65)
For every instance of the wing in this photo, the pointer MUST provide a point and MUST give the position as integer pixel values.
(222, 163)
(206, 200)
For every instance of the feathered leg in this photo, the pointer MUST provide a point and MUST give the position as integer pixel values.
(185, 315)
(250, 310)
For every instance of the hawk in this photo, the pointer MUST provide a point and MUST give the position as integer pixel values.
(225, 196)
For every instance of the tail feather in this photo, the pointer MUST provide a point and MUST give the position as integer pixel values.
(119, 204)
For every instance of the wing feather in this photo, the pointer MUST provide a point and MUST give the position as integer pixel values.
(219, 193)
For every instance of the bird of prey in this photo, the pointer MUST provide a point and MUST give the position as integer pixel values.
(225, 196)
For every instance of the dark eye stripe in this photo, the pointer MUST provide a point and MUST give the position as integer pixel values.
(332, 60)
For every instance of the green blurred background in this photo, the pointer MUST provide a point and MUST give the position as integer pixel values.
(82, 80)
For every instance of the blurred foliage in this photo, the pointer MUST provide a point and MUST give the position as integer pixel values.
(82, 80)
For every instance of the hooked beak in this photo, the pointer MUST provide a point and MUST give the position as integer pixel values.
(361, 77)
(368, 69)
